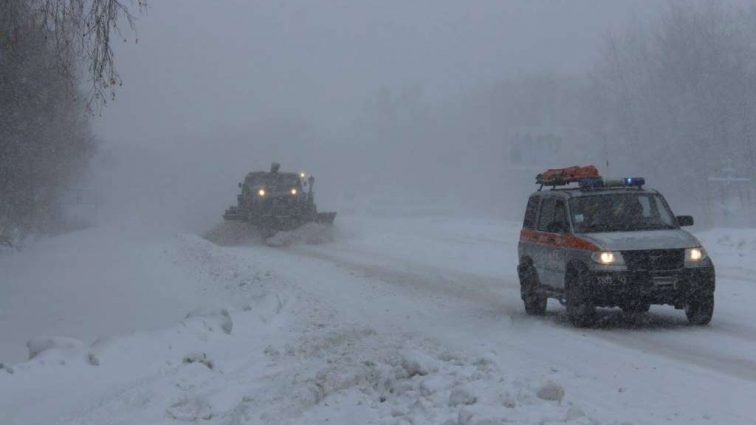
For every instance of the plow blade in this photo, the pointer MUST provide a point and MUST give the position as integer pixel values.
(325, 217)
(232, 214)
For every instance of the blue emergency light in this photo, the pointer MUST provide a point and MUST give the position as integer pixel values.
(635, 181)
(597, 183)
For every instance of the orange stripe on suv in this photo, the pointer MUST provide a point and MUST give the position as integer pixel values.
(557, 240)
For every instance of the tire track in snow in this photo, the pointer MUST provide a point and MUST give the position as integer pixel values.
(481, 289)
(737, 367)
(648, 336)
(484, 291)
(454, 284)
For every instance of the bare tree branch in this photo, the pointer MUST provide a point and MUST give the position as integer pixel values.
(82, 30)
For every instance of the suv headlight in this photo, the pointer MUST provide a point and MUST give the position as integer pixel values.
(608, 258)
(695, 256)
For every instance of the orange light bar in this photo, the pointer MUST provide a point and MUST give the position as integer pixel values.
(562, 176)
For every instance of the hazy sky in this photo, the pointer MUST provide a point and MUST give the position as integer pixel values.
(205, 67)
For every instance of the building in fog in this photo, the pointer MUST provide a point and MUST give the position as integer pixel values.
(731, 198)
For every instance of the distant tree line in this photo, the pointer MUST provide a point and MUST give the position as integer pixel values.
(45, 137)
(677, 97)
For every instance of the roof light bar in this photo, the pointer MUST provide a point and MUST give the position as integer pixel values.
(586, 177)
(636, 182)
(625, 182)
(591, 183)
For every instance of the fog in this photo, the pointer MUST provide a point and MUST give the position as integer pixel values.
(419, 290)
(204, 67)
(383, 102)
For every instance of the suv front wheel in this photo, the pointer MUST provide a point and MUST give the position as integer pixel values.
(535, 301)
(700, 310)
(580, 308)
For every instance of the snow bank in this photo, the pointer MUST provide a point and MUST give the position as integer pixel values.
(95, 282)
(732, 249)
(262, 349)
(44, 344)
(730, 244)
(551, 391)
(362, 374)
(190, 410)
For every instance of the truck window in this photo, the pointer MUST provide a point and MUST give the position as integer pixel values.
(531, 212)
(547, 214)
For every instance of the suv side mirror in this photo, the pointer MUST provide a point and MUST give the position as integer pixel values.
(684, 220)
(556, 227)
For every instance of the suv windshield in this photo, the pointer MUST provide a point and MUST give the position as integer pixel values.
(613, 212)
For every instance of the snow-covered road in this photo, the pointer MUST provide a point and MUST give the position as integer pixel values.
(412, 320)
(472, 300)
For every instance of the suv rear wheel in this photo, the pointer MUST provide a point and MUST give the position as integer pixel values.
(700, 310)
(535, 301)
(580, 309)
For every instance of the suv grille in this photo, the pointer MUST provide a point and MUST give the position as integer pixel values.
(654, 260)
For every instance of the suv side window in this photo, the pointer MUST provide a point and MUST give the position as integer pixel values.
(547, 214)
(560, 215)
(531, 212)
(645, 203)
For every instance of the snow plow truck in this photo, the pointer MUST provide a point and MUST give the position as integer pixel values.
(275, 201)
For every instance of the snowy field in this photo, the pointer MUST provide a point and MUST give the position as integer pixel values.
(377, 321)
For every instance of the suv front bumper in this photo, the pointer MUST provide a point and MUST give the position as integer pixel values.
(675, 287)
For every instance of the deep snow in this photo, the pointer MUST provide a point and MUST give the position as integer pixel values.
(412, 320)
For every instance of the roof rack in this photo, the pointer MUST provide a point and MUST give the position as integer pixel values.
(563, 176)
(587, 177)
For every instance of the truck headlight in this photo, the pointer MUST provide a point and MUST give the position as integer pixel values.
(293, 191)
(608, 258)
(694, 256)
(261, 192)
